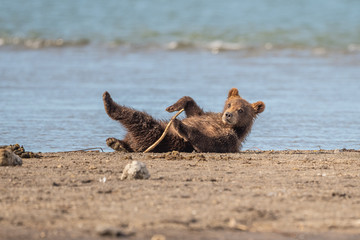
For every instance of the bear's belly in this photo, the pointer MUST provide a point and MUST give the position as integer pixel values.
(209, 125)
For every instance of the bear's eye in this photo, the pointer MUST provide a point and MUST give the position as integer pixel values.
(240, 111)
(229, 105)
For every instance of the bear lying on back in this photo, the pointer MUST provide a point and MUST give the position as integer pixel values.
(200, 131)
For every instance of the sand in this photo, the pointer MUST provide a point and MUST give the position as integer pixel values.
(249, 195)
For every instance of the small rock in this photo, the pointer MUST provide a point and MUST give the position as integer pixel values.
(55, 184)
(42, 235)
(235, 225)
(174, 155)
(9, 158)
(158, 237)
(102, 180)
(111, 232)
(337, 151)
(86, 181)
(108, 191)
(29, 155)
(135, 170)
(20, 151)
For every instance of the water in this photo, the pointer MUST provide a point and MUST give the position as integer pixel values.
(58, 57)
(330, 24)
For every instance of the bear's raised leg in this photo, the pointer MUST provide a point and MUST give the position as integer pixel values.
(118, 145)
(189, 105)
(143, 129)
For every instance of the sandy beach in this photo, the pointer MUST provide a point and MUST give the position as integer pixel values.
(252, 194)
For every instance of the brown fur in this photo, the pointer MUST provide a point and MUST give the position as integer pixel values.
(200, 131)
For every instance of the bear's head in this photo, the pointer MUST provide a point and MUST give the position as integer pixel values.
(238, 112)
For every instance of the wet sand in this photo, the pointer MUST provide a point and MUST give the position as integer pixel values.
(249, 195)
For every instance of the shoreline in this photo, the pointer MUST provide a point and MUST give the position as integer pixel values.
(287, 194)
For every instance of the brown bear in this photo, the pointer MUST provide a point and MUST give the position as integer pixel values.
(200, 131)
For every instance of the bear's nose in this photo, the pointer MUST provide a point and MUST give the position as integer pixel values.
(228, 115)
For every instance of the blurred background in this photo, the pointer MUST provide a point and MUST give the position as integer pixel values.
(302, 58)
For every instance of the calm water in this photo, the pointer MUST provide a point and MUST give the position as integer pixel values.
(58, 57)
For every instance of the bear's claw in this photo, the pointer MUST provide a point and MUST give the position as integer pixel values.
(170, 109)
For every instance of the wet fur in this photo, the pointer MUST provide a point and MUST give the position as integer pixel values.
(200, 131)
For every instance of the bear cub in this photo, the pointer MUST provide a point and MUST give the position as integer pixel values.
(200, 131)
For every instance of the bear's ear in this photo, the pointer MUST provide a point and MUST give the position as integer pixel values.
(233, 93)
(259, 107)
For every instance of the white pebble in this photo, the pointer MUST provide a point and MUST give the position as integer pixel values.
(135, 170)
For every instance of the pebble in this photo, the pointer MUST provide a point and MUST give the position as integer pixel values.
(20, 151)
(111, 232)
(9, 158)
(235, 225)
(158, 237)
(135, 170)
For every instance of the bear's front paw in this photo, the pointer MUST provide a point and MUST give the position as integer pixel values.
(175, 107)
(171, 109)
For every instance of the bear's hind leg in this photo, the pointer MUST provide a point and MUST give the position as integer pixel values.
(115, 111)
(143, 129)
(118, 145)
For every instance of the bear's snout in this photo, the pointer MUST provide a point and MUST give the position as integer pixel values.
(228, 115)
